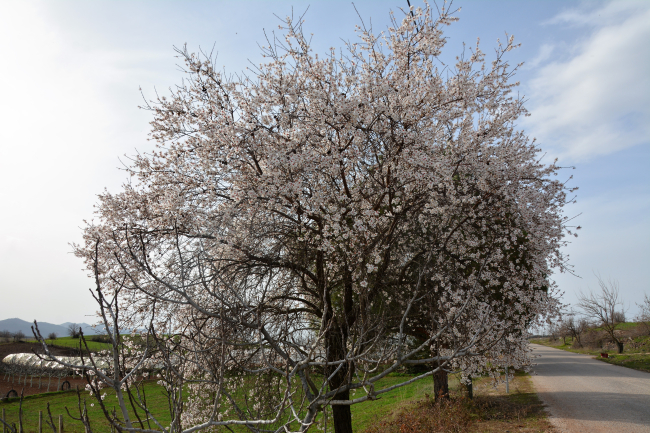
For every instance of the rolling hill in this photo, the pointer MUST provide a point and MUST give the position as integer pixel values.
(15, 325)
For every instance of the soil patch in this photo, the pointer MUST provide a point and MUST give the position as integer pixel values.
(9, 384)
(22, 347)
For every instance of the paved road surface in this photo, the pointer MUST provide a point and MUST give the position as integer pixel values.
(586, 395)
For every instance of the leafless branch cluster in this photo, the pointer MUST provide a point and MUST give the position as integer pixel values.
(605, 308)
(644, 312)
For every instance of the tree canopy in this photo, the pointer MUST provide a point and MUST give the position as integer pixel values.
(311, 226)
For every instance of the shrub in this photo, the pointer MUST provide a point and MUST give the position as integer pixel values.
(100, 338)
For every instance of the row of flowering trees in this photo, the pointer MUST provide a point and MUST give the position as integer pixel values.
(303, 231)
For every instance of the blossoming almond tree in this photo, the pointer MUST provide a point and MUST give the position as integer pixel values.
(305, 230)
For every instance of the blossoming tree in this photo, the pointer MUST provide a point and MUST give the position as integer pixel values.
(303, 231)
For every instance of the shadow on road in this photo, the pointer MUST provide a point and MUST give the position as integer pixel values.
(600, 405)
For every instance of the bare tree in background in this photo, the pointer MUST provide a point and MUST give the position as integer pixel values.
(563, 330)
(574, 327)
(73, 330)
(19, 335)
(619, 316)
(644, 314)
(51, 336)
(601, 307)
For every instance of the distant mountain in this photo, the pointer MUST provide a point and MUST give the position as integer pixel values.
(15, 325)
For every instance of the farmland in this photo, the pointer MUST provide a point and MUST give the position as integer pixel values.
(75, 343)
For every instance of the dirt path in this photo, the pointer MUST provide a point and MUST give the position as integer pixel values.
(586, 395)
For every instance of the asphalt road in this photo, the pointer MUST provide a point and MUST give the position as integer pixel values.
(586, 395)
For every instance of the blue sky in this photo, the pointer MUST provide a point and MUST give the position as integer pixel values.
(72, 69)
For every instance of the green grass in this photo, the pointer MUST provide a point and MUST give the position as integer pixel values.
(363, 414)
(156, 399)
(635, 361)
(94, 346)
(492, 410)
(626, 326)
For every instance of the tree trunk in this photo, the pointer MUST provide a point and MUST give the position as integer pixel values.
(620, 346)
(342, 417)
(441, 384)
(468, 388)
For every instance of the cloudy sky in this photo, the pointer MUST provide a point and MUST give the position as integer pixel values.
(72, 70)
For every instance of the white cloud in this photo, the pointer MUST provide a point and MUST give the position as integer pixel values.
(545, 52)
(586, 15)
(596, 102)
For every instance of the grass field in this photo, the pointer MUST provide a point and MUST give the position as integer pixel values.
(94, 346)
(366, 413)
(156, 400)
(491, 411)
(362, 414)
